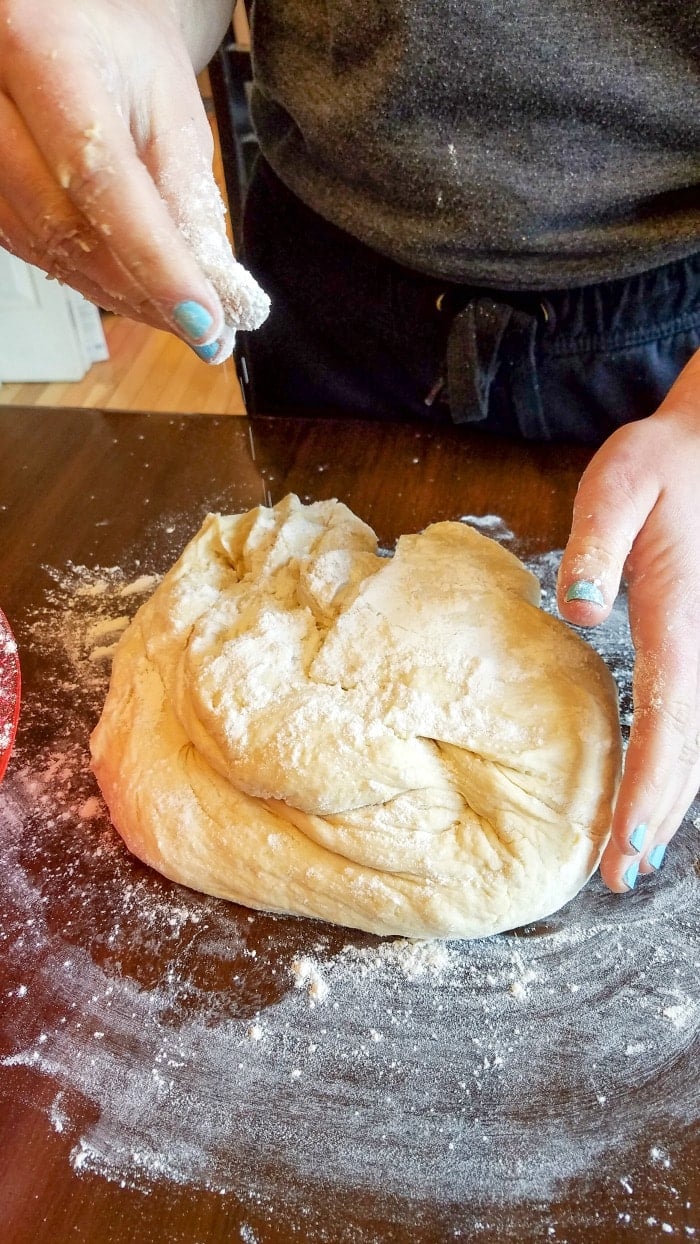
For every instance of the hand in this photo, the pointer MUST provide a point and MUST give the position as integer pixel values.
(637, 511)
(105, 179)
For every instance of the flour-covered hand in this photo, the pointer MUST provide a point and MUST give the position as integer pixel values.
(637, 512)
(105, 180)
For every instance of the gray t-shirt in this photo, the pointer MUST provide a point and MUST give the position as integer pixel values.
(512, 143)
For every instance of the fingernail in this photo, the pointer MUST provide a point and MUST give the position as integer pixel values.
(207, 353)
(221, 349)
(656, 855)
(584, 589)
(193, 319)
(630, 875)
(637, 837)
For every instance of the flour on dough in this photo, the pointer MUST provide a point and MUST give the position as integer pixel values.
(408, 746)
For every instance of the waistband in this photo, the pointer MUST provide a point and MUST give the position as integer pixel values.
(492, 330)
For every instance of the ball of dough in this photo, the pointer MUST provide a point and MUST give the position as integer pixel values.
(405, 745)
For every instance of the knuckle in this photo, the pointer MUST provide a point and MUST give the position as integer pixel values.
(62, 249)
(86, 171)
(670, 715)
(85, 181)
(588, 558)
(675, 722)
(655, 785)
(690, 751)
(60, 240)
(616, 471)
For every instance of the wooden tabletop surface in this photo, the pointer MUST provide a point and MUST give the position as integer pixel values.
(89, 502)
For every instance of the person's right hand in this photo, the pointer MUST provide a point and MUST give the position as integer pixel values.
(105, 178)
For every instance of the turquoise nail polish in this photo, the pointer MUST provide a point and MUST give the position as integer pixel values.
(193, 319)
(583, 589)
(207, 352)
(630, 875)
(637, 837)
(656, 855)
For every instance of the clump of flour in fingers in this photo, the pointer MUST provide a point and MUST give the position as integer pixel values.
(201, 219)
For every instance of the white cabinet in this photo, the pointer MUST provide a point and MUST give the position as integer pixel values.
(48, 332)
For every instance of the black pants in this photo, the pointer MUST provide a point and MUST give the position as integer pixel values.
(352, 332)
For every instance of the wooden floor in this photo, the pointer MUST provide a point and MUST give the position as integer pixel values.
(146, 370)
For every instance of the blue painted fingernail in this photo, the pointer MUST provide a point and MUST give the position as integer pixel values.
(630, 875)
(583, 589)
(656, 855)
(207, 352)
(637, 837)
(193, 319)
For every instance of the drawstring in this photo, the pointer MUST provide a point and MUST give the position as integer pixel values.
(473, 348)
(485, 336)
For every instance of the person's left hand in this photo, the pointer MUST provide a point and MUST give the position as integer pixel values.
(637, 512)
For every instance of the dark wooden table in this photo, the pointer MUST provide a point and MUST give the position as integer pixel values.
(90, 501)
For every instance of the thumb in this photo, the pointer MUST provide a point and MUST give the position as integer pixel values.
(615, 496)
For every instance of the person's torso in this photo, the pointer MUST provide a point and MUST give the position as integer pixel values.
(527, 143)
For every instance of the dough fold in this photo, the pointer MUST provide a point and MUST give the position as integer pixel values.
(405, 745)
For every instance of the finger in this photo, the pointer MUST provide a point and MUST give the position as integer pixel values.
(180, 162)
(91, 155)
(42, 226)
(615, 495)
(15, 238)
(657, 845)
(674, 819)
(663, 758)
(182, 170)
(39, 224)
(620, 867)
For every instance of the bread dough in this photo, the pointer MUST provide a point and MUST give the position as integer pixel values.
(406, 745)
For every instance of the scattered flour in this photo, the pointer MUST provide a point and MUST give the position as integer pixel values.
(174, 1037)
(490, 525)
(307, 975)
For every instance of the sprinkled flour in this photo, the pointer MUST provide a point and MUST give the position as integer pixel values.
(176, 1037)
